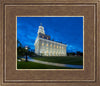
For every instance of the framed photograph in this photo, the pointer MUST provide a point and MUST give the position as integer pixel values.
(38, 50)
(49, 43)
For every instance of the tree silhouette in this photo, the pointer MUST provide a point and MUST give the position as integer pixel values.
(22, 52)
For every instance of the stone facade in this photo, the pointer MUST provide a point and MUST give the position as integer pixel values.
(46, 47)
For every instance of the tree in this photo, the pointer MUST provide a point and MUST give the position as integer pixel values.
(79, 53)
(22, 52)
(19, 44)
(20, 49)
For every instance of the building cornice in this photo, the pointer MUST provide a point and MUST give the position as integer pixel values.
(52, 41)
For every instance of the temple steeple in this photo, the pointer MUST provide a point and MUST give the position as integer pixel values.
(41, 29)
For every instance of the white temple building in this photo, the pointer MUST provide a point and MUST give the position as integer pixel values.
(44, 46)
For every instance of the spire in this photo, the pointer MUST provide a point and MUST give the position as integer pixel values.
(41, 29)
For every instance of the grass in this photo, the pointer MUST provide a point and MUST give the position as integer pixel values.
(33, 65)
(74, 60)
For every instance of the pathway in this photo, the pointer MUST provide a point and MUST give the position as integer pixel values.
(56, 64)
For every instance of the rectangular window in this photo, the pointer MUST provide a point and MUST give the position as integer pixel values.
(47, 45)
(42, 44)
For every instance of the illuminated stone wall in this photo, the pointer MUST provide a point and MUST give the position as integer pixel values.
(50, 48)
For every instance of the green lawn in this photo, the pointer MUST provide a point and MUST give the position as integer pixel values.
(33, 65)
(75, 60)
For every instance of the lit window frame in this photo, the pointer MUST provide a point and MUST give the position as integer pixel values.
(47, 45)
(42, 44)
(50, 45)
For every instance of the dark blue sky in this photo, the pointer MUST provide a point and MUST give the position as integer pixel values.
(68, 30)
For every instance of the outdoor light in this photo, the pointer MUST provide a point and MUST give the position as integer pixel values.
(26, 48)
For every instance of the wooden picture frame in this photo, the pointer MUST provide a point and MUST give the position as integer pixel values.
(9, 76)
